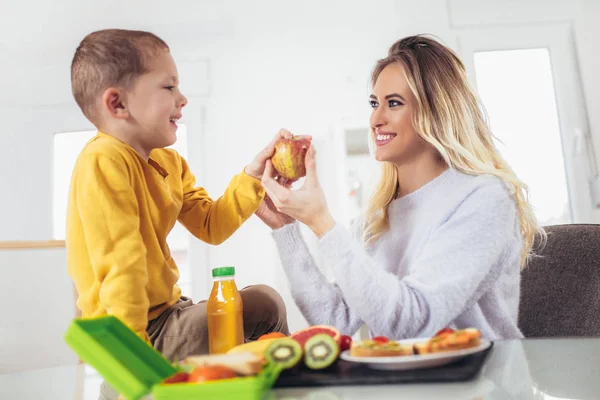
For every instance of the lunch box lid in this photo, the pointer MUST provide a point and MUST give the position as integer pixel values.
(128, 363)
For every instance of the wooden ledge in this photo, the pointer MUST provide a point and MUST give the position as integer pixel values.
(32, 244)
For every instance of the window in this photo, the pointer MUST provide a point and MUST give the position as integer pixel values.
(517, 89)
(67, 147)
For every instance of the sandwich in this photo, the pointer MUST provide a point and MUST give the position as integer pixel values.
(242, 363)
(449, 340)
(373, 348)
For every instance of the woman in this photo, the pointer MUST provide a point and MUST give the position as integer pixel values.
(446, 231)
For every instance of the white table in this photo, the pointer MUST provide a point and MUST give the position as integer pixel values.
(544, 369)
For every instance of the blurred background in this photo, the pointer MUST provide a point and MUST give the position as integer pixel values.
(251, 68)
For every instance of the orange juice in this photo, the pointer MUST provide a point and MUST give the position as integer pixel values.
(224, 310)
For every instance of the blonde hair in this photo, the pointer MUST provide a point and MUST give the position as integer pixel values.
(448, 116)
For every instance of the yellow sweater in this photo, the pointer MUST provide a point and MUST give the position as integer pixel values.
(121, 209)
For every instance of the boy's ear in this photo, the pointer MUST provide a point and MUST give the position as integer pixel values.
(113, 103)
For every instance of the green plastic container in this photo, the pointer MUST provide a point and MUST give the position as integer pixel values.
(135, 369)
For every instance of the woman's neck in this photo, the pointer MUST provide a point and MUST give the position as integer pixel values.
(413, 176)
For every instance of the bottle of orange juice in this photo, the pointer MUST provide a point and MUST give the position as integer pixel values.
(224, 310)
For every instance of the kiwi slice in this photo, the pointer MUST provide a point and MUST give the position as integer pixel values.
(320, 351)
(284, 352)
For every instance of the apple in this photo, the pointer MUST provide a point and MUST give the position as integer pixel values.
(288, 159)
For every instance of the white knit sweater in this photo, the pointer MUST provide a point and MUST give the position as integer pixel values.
(450, 258)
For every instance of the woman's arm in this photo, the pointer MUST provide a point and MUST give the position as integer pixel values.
(320, 301)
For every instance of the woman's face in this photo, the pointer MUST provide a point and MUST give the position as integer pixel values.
(393, 104)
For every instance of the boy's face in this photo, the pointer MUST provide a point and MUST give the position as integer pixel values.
(155, 102)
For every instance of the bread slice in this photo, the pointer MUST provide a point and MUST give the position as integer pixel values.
(369, 348)
(242, 363)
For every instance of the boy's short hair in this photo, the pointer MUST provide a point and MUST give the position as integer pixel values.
(110, 57)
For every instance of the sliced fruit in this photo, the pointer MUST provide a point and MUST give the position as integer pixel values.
(320, 351)
(272, 335)
(212, 373)
(345, 343)
(284, 352)
(179, 377)
(303, 335)
(444, 331)
(380, 339)
(257, 348)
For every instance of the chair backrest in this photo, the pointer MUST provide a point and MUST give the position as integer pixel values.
(560, 290)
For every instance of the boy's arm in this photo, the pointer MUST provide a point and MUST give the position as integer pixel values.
(109, 213)
(213, 221)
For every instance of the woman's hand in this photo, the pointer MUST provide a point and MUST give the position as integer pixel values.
(306, 204)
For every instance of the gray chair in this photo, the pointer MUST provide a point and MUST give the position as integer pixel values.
(560, 291)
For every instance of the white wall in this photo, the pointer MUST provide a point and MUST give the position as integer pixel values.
(263, 65)
(271, 64)
(303, 67)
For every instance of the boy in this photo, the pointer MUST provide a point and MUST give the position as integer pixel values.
(127, 192)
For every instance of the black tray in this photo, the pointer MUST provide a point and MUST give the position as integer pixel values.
(348, 373)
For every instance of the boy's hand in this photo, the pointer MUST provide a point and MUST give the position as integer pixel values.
(257, 166)
(267, 212)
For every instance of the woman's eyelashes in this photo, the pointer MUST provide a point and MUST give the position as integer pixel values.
(391, 103)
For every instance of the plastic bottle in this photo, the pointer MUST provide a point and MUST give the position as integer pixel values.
(225, 312)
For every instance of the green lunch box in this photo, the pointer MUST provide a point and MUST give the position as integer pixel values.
(135, 369)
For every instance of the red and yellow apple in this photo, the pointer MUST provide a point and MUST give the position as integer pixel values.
(289, 156)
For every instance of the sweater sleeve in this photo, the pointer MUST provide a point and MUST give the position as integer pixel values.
(214, 221)
(320, 301)
(460, 261)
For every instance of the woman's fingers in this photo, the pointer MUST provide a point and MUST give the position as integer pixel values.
(311, 166)
(279, 194)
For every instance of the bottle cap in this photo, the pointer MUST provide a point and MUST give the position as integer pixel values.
(223, 271)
